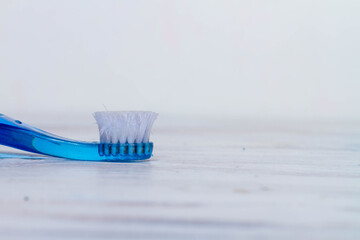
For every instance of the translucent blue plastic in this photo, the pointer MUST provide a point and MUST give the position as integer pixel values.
(14, 133)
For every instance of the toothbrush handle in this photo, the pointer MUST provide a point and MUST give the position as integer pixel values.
(14, 133)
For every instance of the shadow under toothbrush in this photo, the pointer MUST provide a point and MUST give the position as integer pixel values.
(9, 155)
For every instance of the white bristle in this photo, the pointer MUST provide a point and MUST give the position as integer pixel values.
(125, 126)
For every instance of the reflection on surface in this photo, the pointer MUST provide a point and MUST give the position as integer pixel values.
(20, 155)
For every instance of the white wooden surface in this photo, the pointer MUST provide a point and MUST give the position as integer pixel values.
(220, 181)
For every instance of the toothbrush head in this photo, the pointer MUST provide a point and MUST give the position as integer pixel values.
(125, 133)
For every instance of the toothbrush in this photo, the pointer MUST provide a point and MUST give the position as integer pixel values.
(124, 136)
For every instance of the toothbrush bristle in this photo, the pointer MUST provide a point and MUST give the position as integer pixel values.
(125, 126)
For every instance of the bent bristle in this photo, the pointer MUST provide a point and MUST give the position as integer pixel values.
(125, 126)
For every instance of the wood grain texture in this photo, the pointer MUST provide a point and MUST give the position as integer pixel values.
(219, 181)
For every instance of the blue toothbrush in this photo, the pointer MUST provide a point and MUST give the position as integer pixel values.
(124, 136)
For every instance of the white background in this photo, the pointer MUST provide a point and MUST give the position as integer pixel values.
(261, 59)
